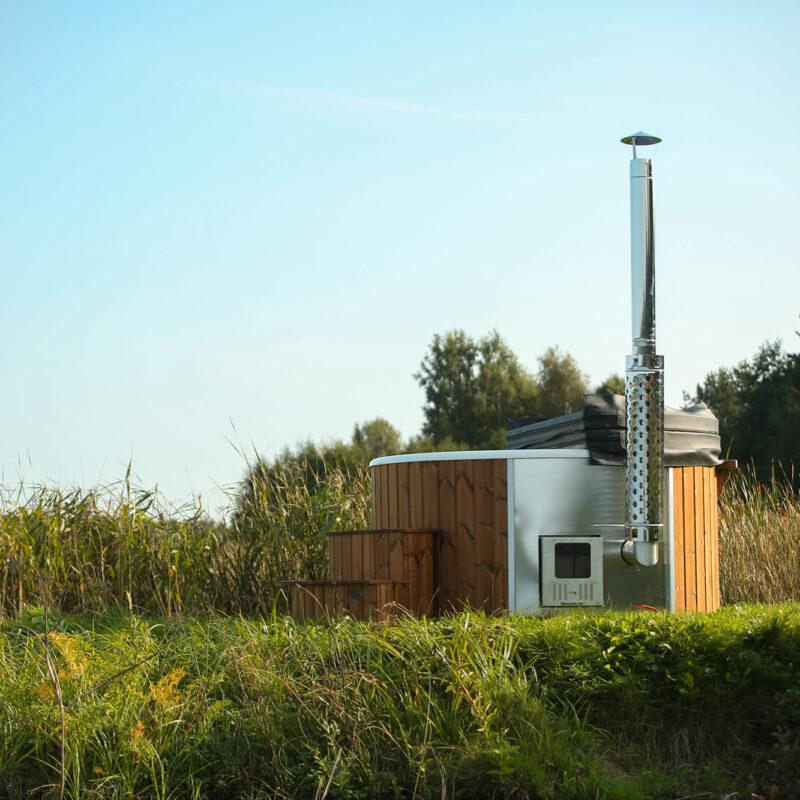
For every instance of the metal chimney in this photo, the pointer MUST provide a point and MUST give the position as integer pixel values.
(644, 376)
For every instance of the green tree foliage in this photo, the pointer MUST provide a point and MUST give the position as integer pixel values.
(613, 384)
(472, 388)
(758, 406)
(372, 439)
(376, 438)
(562, 385)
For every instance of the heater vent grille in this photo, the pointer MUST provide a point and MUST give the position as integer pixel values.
(644, 473)
(573, 592)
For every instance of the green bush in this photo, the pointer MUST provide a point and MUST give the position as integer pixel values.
(612, 706)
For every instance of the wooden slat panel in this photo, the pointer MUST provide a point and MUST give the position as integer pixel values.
(689, 539)
(368, 556)
(356, 564)
(430, 495)
(679, 554)
(393, 488)
(715, 547)
(448, 539)
(500, 587)
(307, 604)
(380, 543)
(332, 558)
(425, 573)
(713, 539)
(700, 538)
(403, 496)
(343, 556)
(415, 497)
(371, 602)
(339, 606)
(709, 502)
(485, 534)
(347, 556)
(466, 554)
(384, 500)
(704, 524)
(396, 563)
(384, 599)
(355, 601)
(375, 482)
(411, 545)
(418, 571)
(298, 610)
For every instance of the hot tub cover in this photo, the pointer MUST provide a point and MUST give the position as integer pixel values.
(691, 435)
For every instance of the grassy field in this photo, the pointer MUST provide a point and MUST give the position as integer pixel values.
(759, 541)
(163, 666)
(120, 545)
(615, 706)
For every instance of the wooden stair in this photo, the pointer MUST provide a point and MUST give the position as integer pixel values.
(371, 573)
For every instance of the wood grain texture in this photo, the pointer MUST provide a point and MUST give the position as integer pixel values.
(466, 501)
(484, 534)
(500, 535)
(358, 599)
(679, 537)
(465, 584)
(690, 540)
(447, 578)
(696, 538)
(700, 537)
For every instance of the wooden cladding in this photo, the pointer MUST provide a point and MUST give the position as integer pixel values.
(466, 502)
(405, 557)
(440, 543)
(696, 538)
(358, 599)
(371, 573)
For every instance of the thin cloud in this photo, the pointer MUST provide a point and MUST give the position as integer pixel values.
(322, 97)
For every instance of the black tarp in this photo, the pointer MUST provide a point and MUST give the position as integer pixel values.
(691, 435)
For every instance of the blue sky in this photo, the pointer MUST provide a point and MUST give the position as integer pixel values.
(240, 225)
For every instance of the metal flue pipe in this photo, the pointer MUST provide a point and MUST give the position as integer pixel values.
(644, 376)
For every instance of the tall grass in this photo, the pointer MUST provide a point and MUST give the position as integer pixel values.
(122, 545)
(619, 706)
(119, 544)
(759, 540)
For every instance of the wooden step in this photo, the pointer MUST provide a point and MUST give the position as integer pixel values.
(395, 554)
(362, 599)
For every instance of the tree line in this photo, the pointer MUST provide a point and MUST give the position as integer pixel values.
(473, 387)
(757, 403)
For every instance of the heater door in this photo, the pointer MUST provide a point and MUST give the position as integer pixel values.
(571, 570)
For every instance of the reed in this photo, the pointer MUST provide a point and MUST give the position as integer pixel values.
(759, 540)
(121, 545)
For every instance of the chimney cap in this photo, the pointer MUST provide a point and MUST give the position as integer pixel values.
(640, 138)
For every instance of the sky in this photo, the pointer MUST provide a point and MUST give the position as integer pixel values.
(226, 228)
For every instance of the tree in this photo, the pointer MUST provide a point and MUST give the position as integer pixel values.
(562, 385)
(376, 438)
(757, 403)
(317, 461)
(472, 388)
(613, 384)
